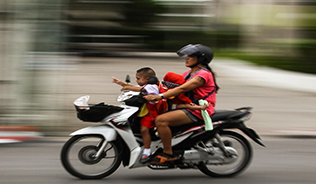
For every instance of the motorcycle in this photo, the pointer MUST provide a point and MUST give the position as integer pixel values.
(97, 151)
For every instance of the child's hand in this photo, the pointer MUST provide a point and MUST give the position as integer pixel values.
(117, 81)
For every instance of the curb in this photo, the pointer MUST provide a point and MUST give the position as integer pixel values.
(14, 134)
(292, 134)
(266, 76)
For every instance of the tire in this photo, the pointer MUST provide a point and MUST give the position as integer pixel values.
(76, 157)
(244, 151)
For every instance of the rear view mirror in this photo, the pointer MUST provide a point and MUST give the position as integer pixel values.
(128, 79)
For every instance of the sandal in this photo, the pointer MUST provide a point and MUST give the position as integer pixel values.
(144, 159)
(162, 158)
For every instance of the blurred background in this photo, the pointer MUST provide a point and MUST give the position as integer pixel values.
(43, 41)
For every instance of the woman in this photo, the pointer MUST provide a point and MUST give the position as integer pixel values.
(200, 84)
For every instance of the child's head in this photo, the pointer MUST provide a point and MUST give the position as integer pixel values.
(143, 74)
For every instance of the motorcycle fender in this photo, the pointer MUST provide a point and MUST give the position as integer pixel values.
(107, 132)
(252, 134)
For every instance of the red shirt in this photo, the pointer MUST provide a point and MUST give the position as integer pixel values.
(204, 90)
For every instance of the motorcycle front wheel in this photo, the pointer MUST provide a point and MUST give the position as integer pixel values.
(242, 159)
(77, 157)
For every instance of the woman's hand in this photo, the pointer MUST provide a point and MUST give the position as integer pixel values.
(152, 97)
(194, 106)
(204, 107)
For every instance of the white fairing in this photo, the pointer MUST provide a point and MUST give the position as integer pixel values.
(107, 132)
(126, 95)
(128, 137)
(135, 156)
(122, 116)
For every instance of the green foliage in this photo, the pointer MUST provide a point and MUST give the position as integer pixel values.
(139, 13)
(171, 40)
(307, 50)
(284, 62)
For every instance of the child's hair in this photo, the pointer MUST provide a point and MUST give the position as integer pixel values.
(147, 72)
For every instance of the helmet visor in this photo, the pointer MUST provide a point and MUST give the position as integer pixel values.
(188, 50)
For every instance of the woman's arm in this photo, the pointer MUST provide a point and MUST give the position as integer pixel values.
(186, 87)
(191, 106)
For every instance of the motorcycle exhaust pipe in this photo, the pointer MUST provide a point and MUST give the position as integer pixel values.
(196, 156)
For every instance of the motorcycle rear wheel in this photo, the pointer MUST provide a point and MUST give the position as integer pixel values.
(77, 157)
(244, 151)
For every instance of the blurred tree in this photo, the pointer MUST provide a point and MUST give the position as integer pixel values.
(138, 13)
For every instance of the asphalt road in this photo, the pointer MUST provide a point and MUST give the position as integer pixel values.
(283, 161)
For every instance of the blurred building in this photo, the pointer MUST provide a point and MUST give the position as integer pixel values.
(31, 45)
(7, 69)
(277, 27)
(38, 37)
(104, 27)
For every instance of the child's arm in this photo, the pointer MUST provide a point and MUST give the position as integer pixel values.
(131, 88)
(119, 82)
(125, 85)
(192, 106)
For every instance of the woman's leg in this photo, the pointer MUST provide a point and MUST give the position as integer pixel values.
(163, 121)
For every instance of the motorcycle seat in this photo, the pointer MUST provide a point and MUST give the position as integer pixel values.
(225, 114)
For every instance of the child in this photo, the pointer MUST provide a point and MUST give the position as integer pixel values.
(148, 121)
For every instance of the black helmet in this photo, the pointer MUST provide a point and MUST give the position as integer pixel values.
(198, 50)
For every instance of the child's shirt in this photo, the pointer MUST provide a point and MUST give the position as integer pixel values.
(153, 107)
(151, 89)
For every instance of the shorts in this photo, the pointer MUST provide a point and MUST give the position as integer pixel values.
(191, 116)
(148, 121)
